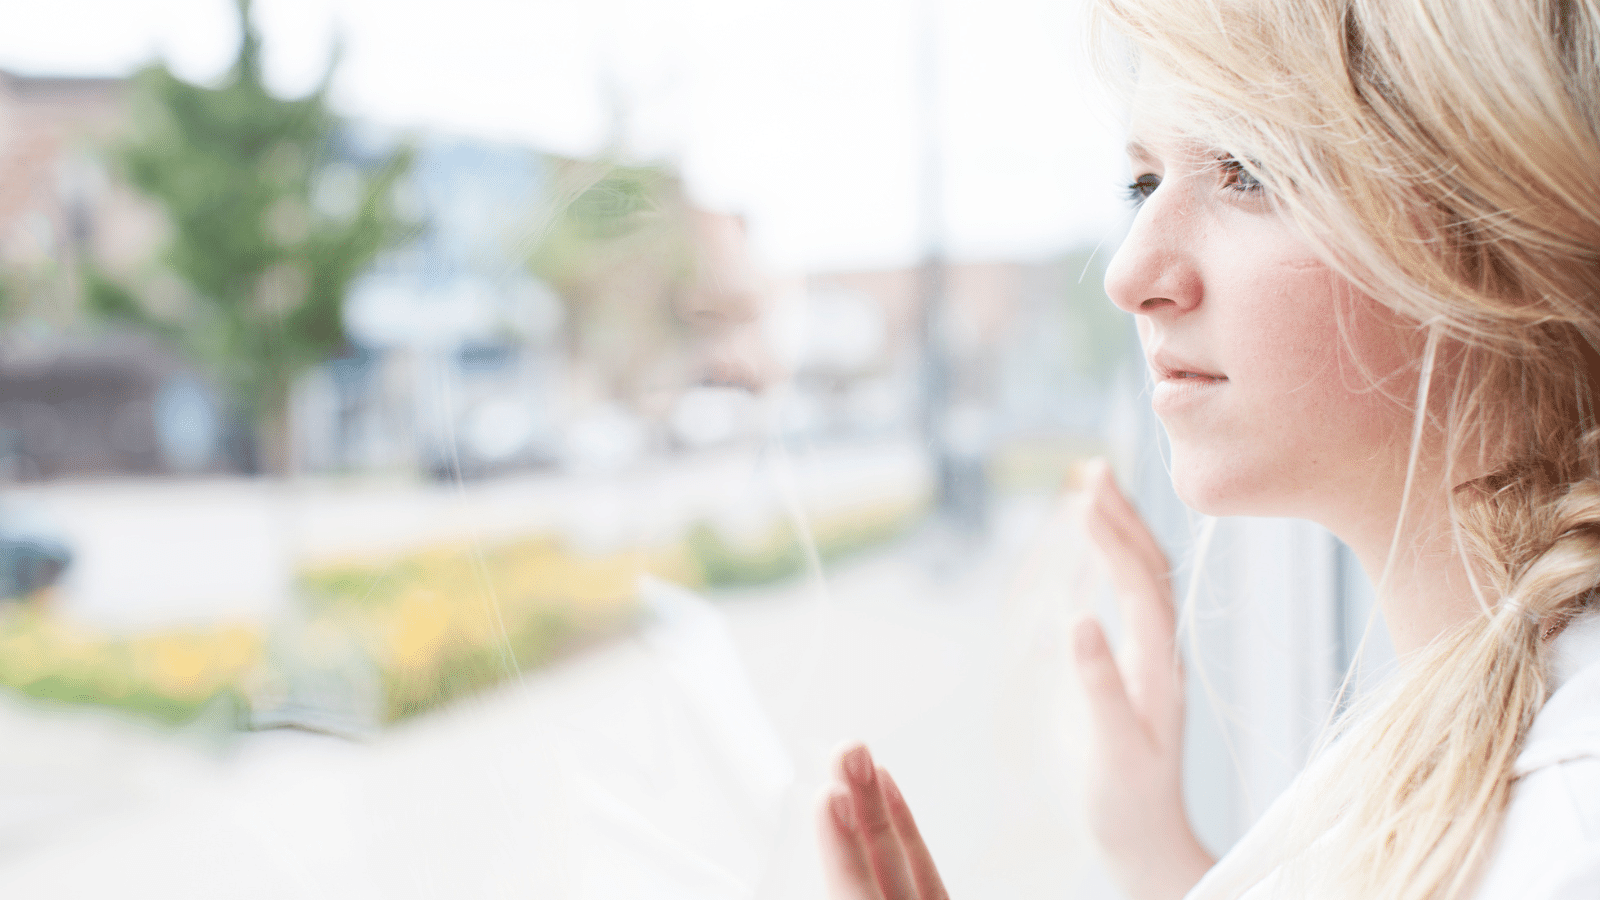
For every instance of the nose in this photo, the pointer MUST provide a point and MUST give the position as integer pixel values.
(1155, 272)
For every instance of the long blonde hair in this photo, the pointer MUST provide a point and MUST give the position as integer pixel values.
(1444, 155)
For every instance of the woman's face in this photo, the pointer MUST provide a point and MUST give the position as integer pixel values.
(1259, 353)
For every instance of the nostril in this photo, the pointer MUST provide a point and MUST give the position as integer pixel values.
(1154, 303)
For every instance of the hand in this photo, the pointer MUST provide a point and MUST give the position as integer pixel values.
(871, 848)
(1135, 779)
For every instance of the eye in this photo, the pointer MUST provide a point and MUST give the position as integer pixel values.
(1142, 187)
(1234, 175)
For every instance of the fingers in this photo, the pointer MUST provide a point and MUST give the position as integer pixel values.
(845, 863)
(1140, 577)
(874, 825)
(1112, 505)
(1121, 535)
(872, 848)
(923, 872)
(1114, 718)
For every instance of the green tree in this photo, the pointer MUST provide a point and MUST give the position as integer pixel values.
(268, 228)
(619, 250)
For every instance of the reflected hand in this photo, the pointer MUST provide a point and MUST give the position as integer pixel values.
(1135, 780)
(871, 848)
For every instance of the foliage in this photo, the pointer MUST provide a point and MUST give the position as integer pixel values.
(619, 250)
(268, 228)
(112, 300)
(433, 626)
(780, 552)
(450, 621)
(169, 676)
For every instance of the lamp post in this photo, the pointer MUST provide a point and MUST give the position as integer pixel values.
(956, 454)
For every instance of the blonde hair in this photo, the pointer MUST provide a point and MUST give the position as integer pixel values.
(1444, 155)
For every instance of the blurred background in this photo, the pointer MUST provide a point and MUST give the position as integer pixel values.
(500, 447)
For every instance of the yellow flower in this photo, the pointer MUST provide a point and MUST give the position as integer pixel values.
(178, 668)
(418, 633)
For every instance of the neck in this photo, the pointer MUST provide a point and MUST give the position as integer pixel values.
(1423, 583)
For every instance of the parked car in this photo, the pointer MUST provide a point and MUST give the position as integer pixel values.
(32, 555)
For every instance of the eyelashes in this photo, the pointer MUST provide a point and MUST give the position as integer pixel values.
(1235, 176)
(1232, 173)
(1141, 188)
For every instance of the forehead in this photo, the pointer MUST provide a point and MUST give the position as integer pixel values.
(1162, 126)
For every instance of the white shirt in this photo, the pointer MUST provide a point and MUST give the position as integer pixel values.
(1549, 842)
(1548, 846)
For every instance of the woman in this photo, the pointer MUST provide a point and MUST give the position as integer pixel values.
(1366, 274)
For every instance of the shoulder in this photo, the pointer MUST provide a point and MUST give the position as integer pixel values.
(1548, 847)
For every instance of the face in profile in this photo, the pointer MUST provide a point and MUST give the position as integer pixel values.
(1276, 381)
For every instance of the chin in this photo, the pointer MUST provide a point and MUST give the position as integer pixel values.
(1205, 500)
(1226, 488)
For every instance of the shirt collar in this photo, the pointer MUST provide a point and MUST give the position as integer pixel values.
(1568, 727)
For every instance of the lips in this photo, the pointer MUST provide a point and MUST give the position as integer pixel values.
(1183, 386)
(1169, 367)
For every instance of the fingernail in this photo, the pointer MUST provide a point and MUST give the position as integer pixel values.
(843, 813)
(890, 789)
(858, 765)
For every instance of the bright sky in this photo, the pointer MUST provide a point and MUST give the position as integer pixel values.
(804, 115)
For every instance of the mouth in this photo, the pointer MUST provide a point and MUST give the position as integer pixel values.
(1182, 385)
(1203, 377)
(1167, 368)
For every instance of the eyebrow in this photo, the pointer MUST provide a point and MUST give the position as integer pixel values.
(1137, 150)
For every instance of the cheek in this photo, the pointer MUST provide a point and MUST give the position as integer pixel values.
(1382, 347)
(1322, 400)
(1286, 349)
(1314, 338)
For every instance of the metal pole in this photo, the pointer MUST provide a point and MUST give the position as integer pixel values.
(935, 362)
(960, 483)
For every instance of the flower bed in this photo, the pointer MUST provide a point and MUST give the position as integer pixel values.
(390, 639)
(449, 621)
(169, 676)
